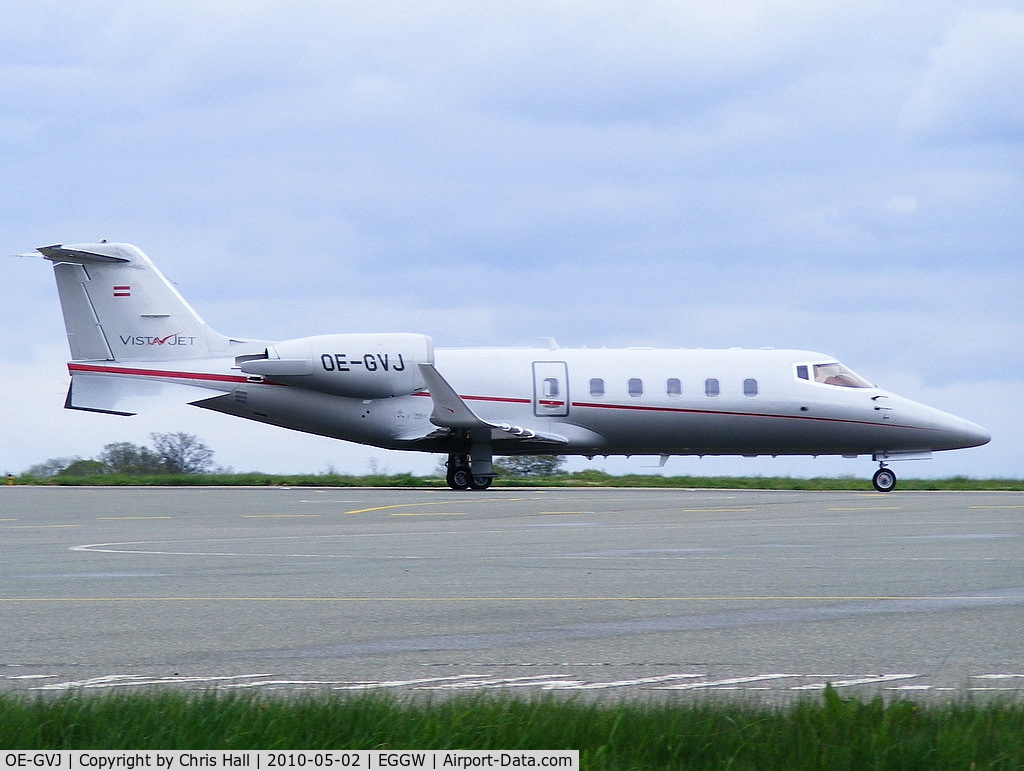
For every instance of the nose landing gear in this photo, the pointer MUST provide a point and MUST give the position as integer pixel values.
(884, 479)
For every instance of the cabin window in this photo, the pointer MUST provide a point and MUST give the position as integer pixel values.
(750, 387)
(673, 387)
(596, 386)
(711, 387)
(636, 387)
(801, 372)
(550, 389)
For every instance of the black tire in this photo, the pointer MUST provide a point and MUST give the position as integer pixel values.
(884, 480)
(480, 483)
(459, 478)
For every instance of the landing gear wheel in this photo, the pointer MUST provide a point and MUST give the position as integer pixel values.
(884, 480)
(460, 474)
(459, 478)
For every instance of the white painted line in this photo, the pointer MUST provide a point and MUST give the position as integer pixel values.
(264, 683)
(853, 681)
(990, 682)
(401, 683)
(505, 682)
(546, 685)
(726, 682)
(113, 681)
(910, 688)
(342, 685)
(638, 681)
(92, 682)
(1004, 689)
(28, 677)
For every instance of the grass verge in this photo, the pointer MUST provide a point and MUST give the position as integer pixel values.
(574, 479)
(833, 733)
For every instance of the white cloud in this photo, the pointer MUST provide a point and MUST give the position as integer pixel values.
(901, 204)
(971, 89)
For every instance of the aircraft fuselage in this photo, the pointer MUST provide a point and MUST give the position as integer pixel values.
(605, 402)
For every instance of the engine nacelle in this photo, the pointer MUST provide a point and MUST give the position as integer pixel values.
(370, 366)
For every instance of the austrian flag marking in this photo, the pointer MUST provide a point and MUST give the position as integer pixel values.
(122, 291)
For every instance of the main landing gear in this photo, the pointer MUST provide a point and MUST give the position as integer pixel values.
(884, 479)
(460, 475)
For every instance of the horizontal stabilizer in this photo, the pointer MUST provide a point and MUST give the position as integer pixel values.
(84, 253)
(129, 395)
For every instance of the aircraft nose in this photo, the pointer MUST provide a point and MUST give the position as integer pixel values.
(938, 430)
(974, 435)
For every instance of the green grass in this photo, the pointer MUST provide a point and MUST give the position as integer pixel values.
(575, 479)
(832, 733)
(249, 479)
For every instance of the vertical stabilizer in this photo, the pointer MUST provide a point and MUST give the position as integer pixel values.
(118, 306)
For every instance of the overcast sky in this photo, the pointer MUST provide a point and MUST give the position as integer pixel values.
(837, 176)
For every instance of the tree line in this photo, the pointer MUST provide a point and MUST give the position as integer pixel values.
(171, 453)
(183, 453)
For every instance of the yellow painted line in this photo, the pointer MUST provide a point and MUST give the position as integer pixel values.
(8, 520)
(565, 512)
(472, 499)
(823, 598)
(698, 511)
(428, 513)
(39, 527)
(996, 507)
(279, 516)
(119, 519)
(863, 508)
(396, 506)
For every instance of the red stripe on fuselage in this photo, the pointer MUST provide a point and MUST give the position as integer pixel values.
(137, 372)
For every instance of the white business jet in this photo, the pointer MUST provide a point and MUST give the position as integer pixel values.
(136, 345)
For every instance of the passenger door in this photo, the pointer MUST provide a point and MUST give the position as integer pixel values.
(550, 389)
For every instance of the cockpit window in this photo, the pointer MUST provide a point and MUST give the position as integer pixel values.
(836, 374)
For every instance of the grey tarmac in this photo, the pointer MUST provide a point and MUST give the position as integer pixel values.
(617, 592)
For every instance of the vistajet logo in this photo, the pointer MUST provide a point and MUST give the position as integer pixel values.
(173, 339)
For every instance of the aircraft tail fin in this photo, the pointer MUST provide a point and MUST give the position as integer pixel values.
(118, 306)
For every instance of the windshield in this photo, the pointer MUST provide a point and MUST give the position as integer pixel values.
(836, 374)
(832, 373)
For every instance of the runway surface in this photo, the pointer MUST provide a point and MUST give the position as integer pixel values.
(606, 592)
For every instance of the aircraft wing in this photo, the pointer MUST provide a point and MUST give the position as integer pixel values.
(451, 411)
